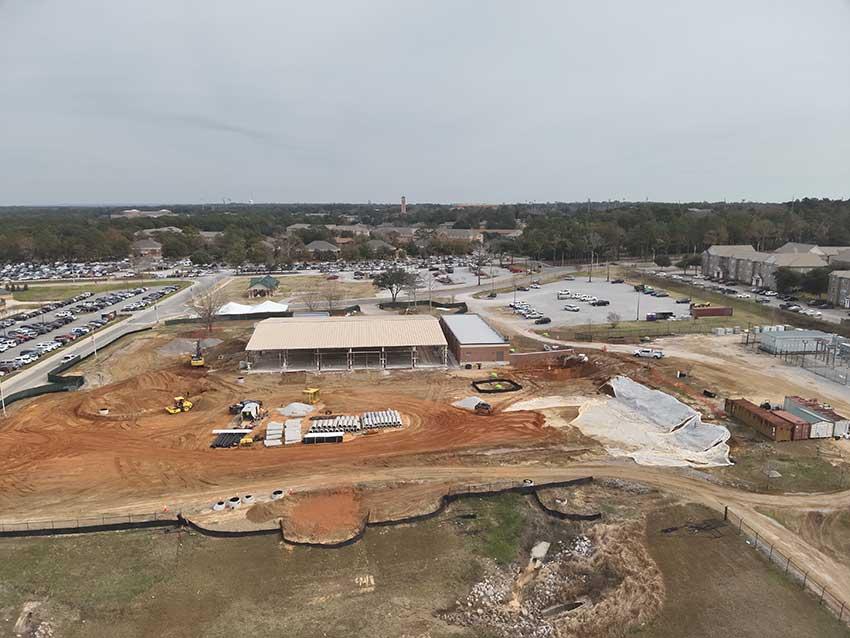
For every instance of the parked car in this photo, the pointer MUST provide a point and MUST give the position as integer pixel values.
(683, 300)
(571, 308)
(600, 302)
(617, 281)
(543, 320)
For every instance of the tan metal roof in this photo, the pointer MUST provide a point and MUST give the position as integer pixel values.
(731, 250)
(300, 333)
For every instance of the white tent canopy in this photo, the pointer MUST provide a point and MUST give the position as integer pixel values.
(233, 308)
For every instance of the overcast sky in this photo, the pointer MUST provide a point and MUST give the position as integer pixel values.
(135, 101)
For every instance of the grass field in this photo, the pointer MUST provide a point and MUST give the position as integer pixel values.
(392, 583)
(57, 292)
(802, 466)
(298, 286)
(717, 585)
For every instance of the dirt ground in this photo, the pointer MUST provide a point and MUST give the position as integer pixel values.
(88, 460)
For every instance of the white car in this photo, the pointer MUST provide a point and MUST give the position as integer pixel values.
(771, 293)
(571, 308)
(535, 286)
(649, 353)
(742, 295)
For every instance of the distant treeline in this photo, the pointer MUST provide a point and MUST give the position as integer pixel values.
(257, 232)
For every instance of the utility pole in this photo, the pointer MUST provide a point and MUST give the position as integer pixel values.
(2, 399)
(637, 315)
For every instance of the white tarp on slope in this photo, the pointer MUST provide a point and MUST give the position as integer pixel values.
(653, 428)
(233, 308)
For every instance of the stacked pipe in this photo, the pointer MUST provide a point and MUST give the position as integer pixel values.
(381, 419)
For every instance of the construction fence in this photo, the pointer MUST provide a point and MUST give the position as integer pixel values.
(88, 524)
(825, 361)
(807, 580)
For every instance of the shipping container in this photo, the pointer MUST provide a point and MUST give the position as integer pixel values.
(801, 432)
(714, 311)
(764, 421)
(821, 430)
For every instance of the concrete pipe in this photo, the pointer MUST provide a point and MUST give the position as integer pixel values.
(240, 380)
(234, 502)
(104, 411)
(217, 507)
(248, 499)
(277, 495)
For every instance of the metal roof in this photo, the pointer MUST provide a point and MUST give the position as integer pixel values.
(470, 330)
(301, 333)
(731, 250)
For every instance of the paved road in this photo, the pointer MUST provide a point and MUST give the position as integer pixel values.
(173, 306)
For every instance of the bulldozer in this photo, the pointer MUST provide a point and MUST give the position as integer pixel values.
(197, 358)
(181, 404)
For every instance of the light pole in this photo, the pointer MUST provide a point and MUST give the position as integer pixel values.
(2, 398)
(94, 345)
(637, 314)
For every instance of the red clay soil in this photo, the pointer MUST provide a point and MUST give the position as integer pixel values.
(316, 517)
(58, 452)
(337, 515)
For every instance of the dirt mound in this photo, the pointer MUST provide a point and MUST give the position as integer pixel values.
(328, 517)
(148, 392)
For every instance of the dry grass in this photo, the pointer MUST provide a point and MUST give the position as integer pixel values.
(296, 287)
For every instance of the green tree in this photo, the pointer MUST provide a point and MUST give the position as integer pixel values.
(394, 280)
(815, 281)
(787, 280)
(662, 261)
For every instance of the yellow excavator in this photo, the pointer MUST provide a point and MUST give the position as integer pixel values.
(181, 404)
(197, 359)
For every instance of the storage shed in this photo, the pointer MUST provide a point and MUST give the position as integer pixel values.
(472, 340)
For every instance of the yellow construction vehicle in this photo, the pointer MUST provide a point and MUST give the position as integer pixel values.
(246, 441)
(311, 395)
(197, 359)
(181, 404)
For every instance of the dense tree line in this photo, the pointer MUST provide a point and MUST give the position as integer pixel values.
(257, 232)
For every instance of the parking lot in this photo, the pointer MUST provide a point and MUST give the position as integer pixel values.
(747, 293)
(623, 300)
(30, 335)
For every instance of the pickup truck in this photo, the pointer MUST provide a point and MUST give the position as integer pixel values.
(649, 353)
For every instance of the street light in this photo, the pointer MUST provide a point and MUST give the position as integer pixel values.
(2, 398)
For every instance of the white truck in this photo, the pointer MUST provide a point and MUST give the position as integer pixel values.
(649, 353)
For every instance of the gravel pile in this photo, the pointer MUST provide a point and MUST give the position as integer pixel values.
(295, 409)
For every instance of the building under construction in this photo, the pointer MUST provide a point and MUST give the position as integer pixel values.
(347, 343)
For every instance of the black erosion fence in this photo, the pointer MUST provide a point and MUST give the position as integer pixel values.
(807, 580)
(58, 383)
(119, 522)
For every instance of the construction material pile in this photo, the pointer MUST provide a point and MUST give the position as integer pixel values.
(652, 427)
(366, 421)
(274, 434)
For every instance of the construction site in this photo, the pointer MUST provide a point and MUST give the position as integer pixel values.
(552, 487)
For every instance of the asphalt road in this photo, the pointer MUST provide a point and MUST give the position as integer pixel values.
(36, 374)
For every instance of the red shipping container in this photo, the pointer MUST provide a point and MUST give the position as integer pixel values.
(801, 432)
(711, 311)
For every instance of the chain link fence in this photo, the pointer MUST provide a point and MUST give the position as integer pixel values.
(797, 573)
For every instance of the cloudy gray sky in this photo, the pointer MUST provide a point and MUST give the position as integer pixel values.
(105, 101)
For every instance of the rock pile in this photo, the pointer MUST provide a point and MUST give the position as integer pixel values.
(492, 602)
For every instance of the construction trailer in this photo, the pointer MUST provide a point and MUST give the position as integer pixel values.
(794, 341)
(825, 422)
(762, 420)
(299, 344)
